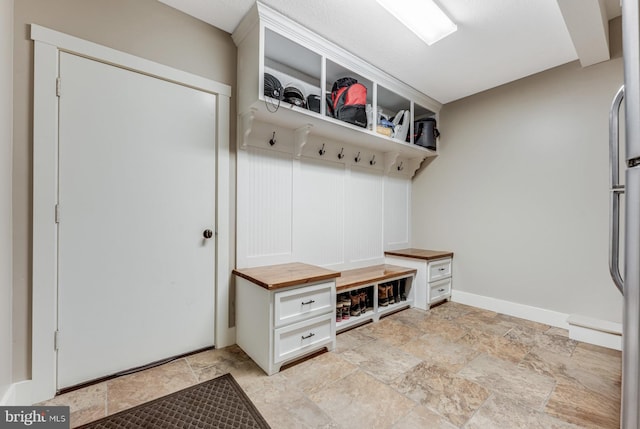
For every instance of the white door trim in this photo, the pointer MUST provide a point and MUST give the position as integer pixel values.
(48, 43)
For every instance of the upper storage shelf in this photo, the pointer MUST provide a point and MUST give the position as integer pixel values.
(303, 62)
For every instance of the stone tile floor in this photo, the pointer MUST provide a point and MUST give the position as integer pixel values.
(454, 366)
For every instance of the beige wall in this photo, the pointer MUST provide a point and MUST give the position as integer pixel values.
(145, 28)
(520, 190)
(6, 125)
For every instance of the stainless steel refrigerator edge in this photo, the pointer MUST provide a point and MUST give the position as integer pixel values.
(630, 413)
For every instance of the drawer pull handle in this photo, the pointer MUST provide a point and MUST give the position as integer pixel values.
(441, 289)
(441, 269)
(308, 302)
(306, 337)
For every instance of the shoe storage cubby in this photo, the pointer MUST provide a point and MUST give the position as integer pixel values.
(309, 64)
(366, 294)
(353, 304)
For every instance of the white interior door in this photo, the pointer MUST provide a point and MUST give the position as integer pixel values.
(136, 193)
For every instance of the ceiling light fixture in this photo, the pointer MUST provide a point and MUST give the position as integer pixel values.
(423, 17)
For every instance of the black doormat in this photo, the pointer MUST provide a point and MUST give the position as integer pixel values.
(218, 403)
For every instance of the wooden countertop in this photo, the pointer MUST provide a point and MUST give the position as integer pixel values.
(366, 275)
(285, 275)
(423, 254)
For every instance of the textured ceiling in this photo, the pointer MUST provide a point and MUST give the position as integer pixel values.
(497, 41)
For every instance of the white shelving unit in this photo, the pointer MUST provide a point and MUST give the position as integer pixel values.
(269, 42)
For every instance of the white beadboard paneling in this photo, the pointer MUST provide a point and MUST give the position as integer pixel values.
(364, 226)
(264, 233)
(319, 190)
(302, 202)
(397, 206)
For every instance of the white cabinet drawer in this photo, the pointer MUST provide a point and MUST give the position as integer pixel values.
(439, 269)
(439, 290)
(302, 303)
(295, 340)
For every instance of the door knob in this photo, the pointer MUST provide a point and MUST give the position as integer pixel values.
(207, 233)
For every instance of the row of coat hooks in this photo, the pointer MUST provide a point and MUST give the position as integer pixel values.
(357, 159)
(322, 151)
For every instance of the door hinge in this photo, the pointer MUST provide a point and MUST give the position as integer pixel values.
(633, 162)
(56, 340)
(58, 88)
(57, 213)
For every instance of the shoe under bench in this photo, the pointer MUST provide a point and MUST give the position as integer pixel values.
(371, 282)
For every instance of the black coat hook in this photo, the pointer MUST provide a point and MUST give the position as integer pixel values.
(341, 154)
(357, 159)
(373, 160)
(273, 139)
(400, 167)
(322, 151)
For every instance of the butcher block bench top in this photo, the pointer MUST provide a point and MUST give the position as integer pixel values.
(372, 274)
(285, 275)
(423, 254)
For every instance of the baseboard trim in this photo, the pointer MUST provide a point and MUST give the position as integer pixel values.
(595, 331)
(8, 397)
(536, 314)
(18, 394)
(581, 328)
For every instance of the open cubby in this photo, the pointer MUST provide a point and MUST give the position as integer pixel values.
(354, 306)
(394, 108)
(292, 64)
(336, 71)
(374, 283)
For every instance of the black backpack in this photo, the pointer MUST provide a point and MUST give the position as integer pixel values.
(348, 101)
